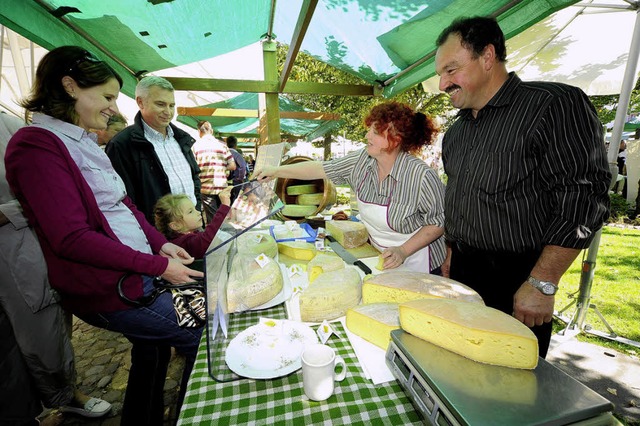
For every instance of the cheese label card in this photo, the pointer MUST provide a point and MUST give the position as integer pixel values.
(257, 238)
(320, 245)
(324, 331)
(291, 224)
(262, 260)
(294, 269)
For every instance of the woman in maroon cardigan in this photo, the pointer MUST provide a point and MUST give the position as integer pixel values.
(90, 231)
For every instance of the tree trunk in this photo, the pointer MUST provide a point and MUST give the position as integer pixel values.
(327, 146)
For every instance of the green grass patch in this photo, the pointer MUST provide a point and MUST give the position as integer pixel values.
(615, 290)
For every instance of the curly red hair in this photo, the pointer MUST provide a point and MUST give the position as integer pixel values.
(409, 130)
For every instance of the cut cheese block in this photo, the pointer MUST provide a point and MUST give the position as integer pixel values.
(403, 286)
(255, 243)
(302, 189)
(294, 210)
(348, 233)
(299, 250)
(310, 199)
(250, 285)
(472, 330)
(330, 295)
(323, 262)
(374, 322)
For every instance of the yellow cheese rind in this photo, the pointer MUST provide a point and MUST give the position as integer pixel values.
(348, 233)
(472, 330)
(330, 295)
(374, 322)
(250, 285)
(323, 262)
(252, 243)
(297, 250)
(294, 210)
(404, 286)
(310, 199)
(301, 189)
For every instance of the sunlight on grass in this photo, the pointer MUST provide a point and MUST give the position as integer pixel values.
(616, 284)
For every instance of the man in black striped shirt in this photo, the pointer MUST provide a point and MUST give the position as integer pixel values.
(527, 175)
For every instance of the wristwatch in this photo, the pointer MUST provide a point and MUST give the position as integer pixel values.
(546, 287)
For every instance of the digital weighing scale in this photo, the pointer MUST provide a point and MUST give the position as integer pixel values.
(449, 389)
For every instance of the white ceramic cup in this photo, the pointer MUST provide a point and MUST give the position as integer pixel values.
(319, 364)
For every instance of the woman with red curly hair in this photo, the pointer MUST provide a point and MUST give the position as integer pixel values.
(400, 198)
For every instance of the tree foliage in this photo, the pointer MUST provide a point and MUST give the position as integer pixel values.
(352, 109)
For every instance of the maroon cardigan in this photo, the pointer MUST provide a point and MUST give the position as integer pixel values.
(197, 243)
(84, 257)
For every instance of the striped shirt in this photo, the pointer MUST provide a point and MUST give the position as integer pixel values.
(173, 161)
(212, 157)
(530, 170)
(106, 185)
(412, 190)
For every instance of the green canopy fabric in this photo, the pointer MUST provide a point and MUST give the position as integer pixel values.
(308, 129)
(388, 42)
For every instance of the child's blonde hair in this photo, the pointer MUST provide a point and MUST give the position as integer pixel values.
(167, 210)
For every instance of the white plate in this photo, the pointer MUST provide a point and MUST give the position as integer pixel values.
(264, 352)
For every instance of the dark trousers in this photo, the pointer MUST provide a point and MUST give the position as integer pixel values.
(496, 276)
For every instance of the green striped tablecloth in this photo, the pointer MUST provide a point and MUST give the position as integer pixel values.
(281, 401)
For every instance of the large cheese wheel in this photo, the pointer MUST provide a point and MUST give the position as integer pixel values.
(294, 210)
(299, 250)
(323, 262)
(301, 189)
(374, 322)
(255, 243)
(330, 295)
(348, 233)
(310, 199)
(403, 286)
(251, 285)
(472, 330)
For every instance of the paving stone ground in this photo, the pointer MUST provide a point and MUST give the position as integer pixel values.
(103, 359)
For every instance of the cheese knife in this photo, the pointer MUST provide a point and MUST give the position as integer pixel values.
(346, 256)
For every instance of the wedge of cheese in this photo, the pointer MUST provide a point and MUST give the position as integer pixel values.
(403, 286)
(299, 250)
(310, 199)
(472, 330)
(330, 295)
(348, 233)
(294, 210)
(323, 262)
(251, 285)
(374, 322)
(302, 189)
(255, 243)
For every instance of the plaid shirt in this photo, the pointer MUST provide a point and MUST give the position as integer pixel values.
(212, 157)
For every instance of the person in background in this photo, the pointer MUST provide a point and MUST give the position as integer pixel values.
(90, 232)
(37, 354)
(116, 123)
(400, 198)
(239, 175)
(152, 156)
(622, 169)
(215, 162)
(527, 176)
(178, 220)
(251, 163)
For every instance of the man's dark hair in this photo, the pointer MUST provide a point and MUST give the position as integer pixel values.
(232, 142)
(476, 33)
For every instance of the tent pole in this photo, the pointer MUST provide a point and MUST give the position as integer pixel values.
(586, 278)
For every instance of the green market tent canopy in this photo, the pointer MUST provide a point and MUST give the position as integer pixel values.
(246, 124)
(390, 44)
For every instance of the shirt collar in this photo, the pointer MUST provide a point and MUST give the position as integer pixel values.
(72, 131)
(502, 97)
(148, 130)
(398, 165)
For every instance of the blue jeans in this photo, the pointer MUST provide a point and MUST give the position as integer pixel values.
(152, 330)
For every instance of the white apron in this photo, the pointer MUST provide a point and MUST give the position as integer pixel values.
(374, 218)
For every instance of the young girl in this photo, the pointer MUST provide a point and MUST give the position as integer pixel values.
(177, 218)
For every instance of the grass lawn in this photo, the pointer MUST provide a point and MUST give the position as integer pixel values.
(615, 290)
